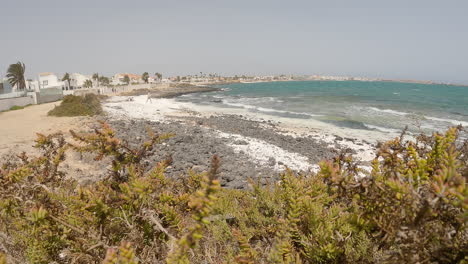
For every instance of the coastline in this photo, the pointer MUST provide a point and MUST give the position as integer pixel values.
(302, 78)
(172, 91)
(251, 146)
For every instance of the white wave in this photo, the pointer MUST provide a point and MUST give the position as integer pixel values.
(268, 110)
(382, 129)
(239, 105)
(452, 121)
(284, 112)
(388, 111)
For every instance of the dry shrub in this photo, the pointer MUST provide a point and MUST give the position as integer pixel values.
(71, 105)
(411, 208)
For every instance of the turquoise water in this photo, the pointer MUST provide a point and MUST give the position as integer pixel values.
(384, 106)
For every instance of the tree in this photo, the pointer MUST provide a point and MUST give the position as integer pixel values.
(66, 77)
(96, 78)
(126, 79)
(104, 80)
(88, 84)
(15, 75)
(145, 77)
(158, 75)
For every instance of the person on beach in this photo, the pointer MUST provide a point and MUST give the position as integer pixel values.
(148, 98)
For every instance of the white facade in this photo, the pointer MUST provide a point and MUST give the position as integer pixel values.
(154, 79)
(50, 80)
(6, 87)
(77, 80)
(119, 77)
(32, 85)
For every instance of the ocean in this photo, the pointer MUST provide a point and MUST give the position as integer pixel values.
(381, 106)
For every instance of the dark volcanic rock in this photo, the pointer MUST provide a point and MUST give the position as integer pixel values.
(193, 146)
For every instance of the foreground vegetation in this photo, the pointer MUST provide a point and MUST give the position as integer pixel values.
(411, 208)
(71, 105)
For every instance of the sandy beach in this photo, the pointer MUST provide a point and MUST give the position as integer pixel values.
(19, 127)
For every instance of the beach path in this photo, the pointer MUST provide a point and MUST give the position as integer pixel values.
(18, 128)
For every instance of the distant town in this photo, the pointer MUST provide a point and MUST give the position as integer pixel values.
(76, 81)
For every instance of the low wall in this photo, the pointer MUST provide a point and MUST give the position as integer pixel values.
(6, 104)
(49, 95)
(47, 98)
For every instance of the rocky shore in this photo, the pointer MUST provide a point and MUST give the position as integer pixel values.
(173, 91)
(248, 149)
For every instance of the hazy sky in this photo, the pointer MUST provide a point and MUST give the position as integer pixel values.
(417, 39)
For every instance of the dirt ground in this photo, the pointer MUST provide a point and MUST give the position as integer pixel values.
(18, 128)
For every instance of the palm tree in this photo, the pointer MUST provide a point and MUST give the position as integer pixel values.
(126, 79)
(158, 75)
(15, 75)
(104, 80)
(88, 84)
(66, 77)
(96, 78)
(145, 77)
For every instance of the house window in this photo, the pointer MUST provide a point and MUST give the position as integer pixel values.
(45, 83)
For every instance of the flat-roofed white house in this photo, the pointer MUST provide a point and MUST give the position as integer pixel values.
(32, 85)
(153, 79)
(50, 80)
(5, 86)
(77, 80)
(119, 77)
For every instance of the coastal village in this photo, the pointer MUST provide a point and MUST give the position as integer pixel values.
(49, 86)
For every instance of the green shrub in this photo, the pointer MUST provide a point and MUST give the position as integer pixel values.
(411, 208)
(16, 107)
(71, 105)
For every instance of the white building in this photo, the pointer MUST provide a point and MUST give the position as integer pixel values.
(77, 80)
(118, 79)
(32, 85)
(50, 80)
(6, 87)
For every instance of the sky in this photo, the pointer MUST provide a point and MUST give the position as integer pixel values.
(400, 39)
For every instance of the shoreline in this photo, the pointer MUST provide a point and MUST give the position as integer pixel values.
(171, 92)
(250, 146)
(305, 79)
